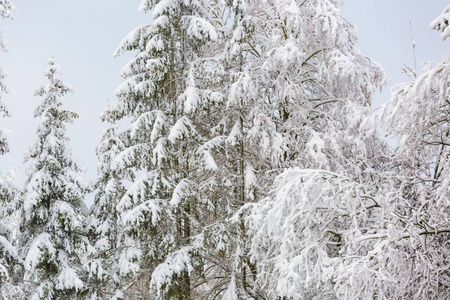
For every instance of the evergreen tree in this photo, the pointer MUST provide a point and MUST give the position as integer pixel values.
(4, 148)
(9, 259)
(52, 242)
(104, 224)
(171, 94)
(6, 8)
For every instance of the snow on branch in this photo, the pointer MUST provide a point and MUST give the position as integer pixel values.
(441, 23)
(309, 229)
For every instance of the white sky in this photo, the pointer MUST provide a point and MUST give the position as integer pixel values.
(82, 36)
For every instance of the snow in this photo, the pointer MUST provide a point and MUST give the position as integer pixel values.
(139, 214)
(41, 244)
(200, 28)
(441, 23)
(235, 134)
(192, 99)
(209, 162)
(181, 192)
(6, 9)
(250, 182)
(176, 262)
(231, 292)
(182, 129)
(69, 279)
(7, 248)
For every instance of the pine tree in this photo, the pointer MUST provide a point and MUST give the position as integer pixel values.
(52, 242)
(104, 224)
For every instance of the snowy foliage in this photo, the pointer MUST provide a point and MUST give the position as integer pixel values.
(441, 23)
(172, 93)
(4, 148)
(298, 98)
(52, 242)
(417, 116)
(104, 223)
(310, 236)
(9, 259)
(6, 8)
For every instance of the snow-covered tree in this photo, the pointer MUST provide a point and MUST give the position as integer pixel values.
(8, 255)
(6, 8)
(9, 259)
(316, 237)
(170, 94)
(417, 115)
(344, 225)
(104, 223)
(316, 90)
(4, 148)
(52, 241)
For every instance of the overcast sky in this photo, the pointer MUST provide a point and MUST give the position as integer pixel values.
(82, 36)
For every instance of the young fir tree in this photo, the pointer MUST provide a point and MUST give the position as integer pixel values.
(9, 259)
(8, 255)
(52, 242)
(6, 8)
(170, 95)
(104, 224)
(4, 148)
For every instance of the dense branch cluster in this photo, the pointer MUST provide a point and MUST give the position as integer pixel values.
(241, 161)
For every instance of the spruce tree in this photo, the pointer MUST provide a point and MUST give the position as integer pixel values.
(171, 94)
(52, 242)
(104, 224)
(6, 8)
(9, 259)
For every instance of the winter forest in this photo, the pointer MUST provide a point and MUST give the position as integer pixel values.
(241, 160)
